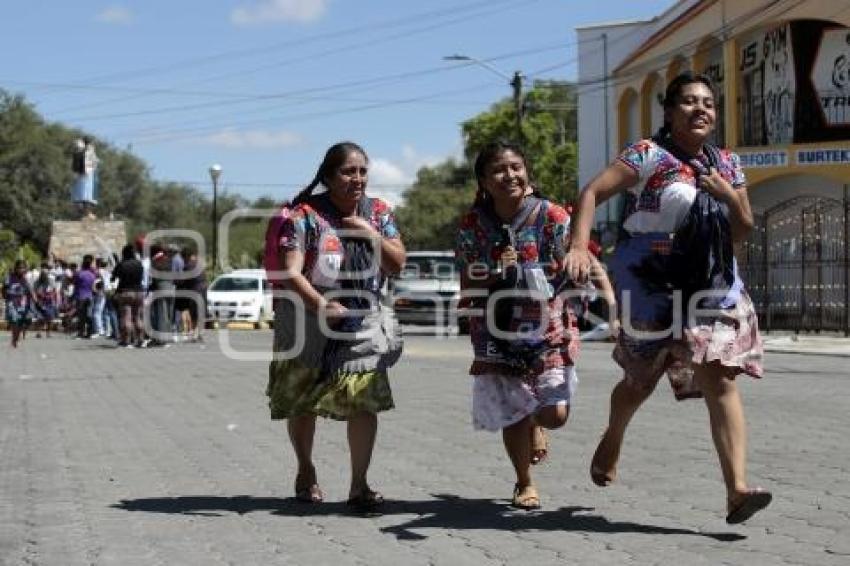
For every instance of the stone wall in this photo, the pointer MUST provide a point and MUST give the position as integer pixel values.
(70, 241)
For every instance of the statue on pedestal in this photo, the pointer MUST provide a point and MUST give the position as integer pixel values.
(84, 165)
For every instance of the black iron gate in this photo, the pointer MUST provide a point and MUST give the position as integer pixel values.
(796, 265)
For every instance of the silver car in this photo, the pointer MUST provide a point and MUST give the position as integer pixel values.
(427, 290)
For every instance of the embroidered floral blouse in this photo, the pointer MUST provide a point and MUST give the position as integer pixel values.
(543, 242)
(314, 233)
(666, 187)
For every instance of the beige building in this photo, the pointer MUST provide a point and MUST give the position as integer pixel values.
(782, 69)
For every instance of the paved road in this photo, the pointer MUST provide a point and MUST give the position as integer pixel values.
(168, 457)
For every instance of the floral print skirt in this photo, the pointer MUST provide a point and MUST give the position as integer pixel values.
(295, 390)
(500, 400)
(731, 341)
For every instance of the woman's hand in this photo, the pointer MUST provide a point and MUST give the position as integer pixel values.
(334, 311)
(508, 257)
(358, 224)
(718, 187)
(578, 265)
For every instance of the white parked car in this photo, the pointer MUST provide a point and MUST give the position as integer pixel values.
(241, 295)
(427, 290)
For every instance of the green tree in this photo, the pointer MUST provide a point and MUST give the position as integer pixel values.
(549, 136)
(434, 203)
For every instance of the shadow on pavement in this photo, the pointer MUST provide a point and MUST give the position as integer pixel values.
(445, 511)
(206, 505)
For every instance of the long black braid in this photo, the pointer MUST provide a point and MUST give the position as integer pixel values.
(335, 156)
(358, 253)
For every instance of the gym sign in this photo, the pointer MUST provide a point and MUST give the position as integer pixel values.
(831, 76)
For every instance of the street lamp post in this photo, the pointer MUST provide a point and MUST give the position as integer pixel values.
(215, 173)
(514, 81)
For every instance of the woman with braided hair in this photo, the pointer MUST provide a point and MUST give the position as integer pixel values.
(686, 203)
(334, 249)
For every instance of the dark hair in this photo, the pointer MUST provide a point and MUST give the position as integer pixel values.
(87, 261)
(43, 278)
(335, 156)
(489, 153)
(128, 252)
(19, 263)
(671, 97)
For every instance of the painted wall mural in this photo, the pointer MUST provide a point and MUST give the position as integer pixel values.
(768, 86)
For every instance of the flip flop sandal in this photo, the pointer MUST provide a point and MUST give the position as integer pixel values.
(367, 501)
(754, 501)
(525, 497)
(600, 474)
(539, 445)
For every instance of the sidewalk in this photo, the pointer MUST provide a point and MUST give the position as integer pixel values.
(808, 344)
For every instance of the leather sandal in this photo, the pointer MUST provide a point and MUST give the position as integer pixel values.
(366, 501)
(525, 497)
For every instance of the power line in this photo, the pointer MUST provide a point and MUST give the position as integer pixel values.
(290, 94)
(491, 9)
(240, 53)
(193, 132)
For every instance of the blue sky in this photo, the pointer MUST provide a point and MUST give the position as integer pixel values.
(264, 86)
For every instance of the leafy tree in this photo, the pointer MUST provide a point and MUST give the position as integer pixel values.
(548, 132)
(439, 196)
(36, 180)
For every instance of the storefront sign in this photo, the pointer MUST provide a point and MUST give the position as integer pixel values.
(754, 159)
(831, 76)
(823, 156)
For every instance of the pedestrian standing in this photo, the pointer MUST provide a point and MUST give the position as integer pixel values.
(99, 297)
(686, 204)
(336, 249)
(84, 281)
(129, 298)
(46, 299)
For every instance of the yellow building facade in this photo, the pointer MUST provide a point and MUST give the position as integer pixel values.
(783, 74)
(782, 71)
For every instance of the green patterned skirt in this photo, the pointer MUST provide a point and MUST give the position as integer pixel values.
(295, 389)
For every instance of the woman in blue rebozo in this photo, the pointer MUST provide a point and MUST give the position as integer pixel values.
(685, 205)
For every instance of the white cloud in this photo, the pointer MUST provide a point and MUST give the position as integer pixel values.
(254, 139)
(388, 179)
(273, 11)
(116, 15)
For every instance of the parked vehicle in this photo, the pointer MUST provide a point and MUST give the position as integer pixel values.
(241, 295)
(427, 290)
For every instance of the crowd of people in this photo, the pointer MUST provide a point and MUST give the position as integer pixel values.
(526, 261)
(108, 297)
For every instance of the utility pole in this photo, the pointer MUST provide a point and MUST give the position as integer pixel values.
(605, 113)
(516, 83)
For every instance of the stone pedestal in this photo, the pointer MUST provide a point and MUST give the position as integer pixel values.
(71, 240)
